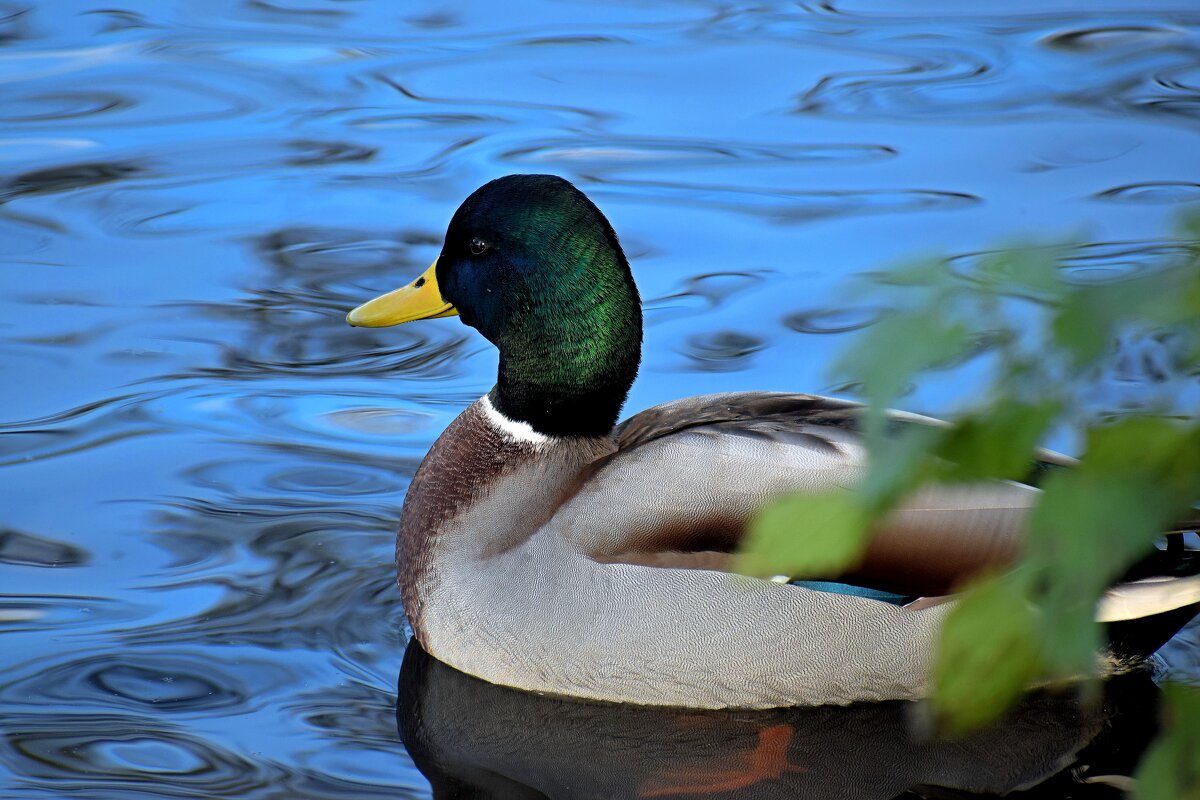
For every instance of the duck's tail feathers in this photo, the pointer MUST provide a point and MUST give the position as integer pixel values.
(1142, 614)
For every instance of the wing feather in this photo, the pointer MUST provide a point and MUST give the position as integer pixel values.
(690, 474)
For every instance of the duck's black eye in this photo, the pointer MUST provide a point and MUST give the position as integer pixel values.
(478, 246)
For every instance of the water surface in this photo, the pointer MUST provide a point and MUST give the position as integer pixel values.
(202, 466)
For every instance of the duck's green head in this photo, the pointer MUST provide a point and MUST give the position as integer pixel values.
(532, 264)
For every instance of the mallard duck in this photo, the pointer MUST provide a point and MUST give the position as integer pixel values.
(545, 547)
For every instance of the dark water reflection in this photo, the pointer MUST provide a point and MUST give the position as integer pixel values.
(474, 739)
(201, 465)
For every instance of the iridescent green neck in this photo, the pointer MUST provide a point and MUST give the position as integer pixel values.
(567, 367)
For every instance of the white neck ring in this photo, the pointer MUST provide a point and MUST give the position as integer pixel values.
(515, 430)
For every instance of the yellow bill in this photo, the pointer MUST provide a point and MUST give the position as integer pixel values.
(421, 299)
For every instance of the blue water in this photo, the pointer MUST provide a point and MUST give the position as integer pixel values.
(201, 466)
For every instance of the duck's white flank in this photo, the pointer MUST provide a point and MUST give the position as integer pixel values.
(513, 429)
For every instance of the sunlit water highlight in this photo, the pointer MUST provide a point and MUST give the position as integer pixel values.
(202, 465)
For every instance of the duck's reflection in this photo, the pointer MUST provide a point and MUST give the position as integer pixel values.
(474, 739)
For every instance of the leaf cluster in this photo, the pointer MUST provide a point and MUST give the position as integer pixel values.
(1057, 353)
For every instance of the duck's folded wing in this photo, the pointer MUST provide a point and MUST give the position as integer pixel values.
(689, 475)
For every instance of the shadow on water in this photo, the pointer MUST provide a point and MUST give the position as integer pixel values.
(474, 739)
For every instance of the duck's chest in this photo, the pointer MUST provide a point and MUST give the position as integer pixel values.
(479, 493)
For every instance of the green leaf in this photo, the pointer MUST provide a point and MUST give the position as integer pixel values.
(1189, 227)
(890, 352)
(1093, 521)
(988, 654)
(1084, 328)
(1089, 317)
(1083, 534)
(1090, 523)
(1165, 451)
(1170, 770)
(921, 272)
(1130, 446)
(996, 443)
(809, 535)
(898, 465)
(1023, 272)
(1168, 297)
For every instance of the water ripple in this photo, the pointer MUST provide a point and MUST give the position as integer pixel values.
(84, 753)
(721, 351)
(833, 320)
(78, 615)
(1102, 262)
(786, 206)
(313, 480)
(418, 121)
(950, 75)
(1158, 192)
(293, 319)
(68, 178)
(12, 23)
(313, 154)
(309, 593)
(19, 238)
(700, 294)
(35, 551)
(614, 153)
(127, 101)
(1107, 37)
(285, 350)
(90, 426)
(58, 106)
(316, 15)
(164, 682)
(1094, 262)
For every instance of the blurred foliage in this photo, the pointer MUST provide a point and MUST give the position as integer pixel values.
(1171, 769)
(1114, 363)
